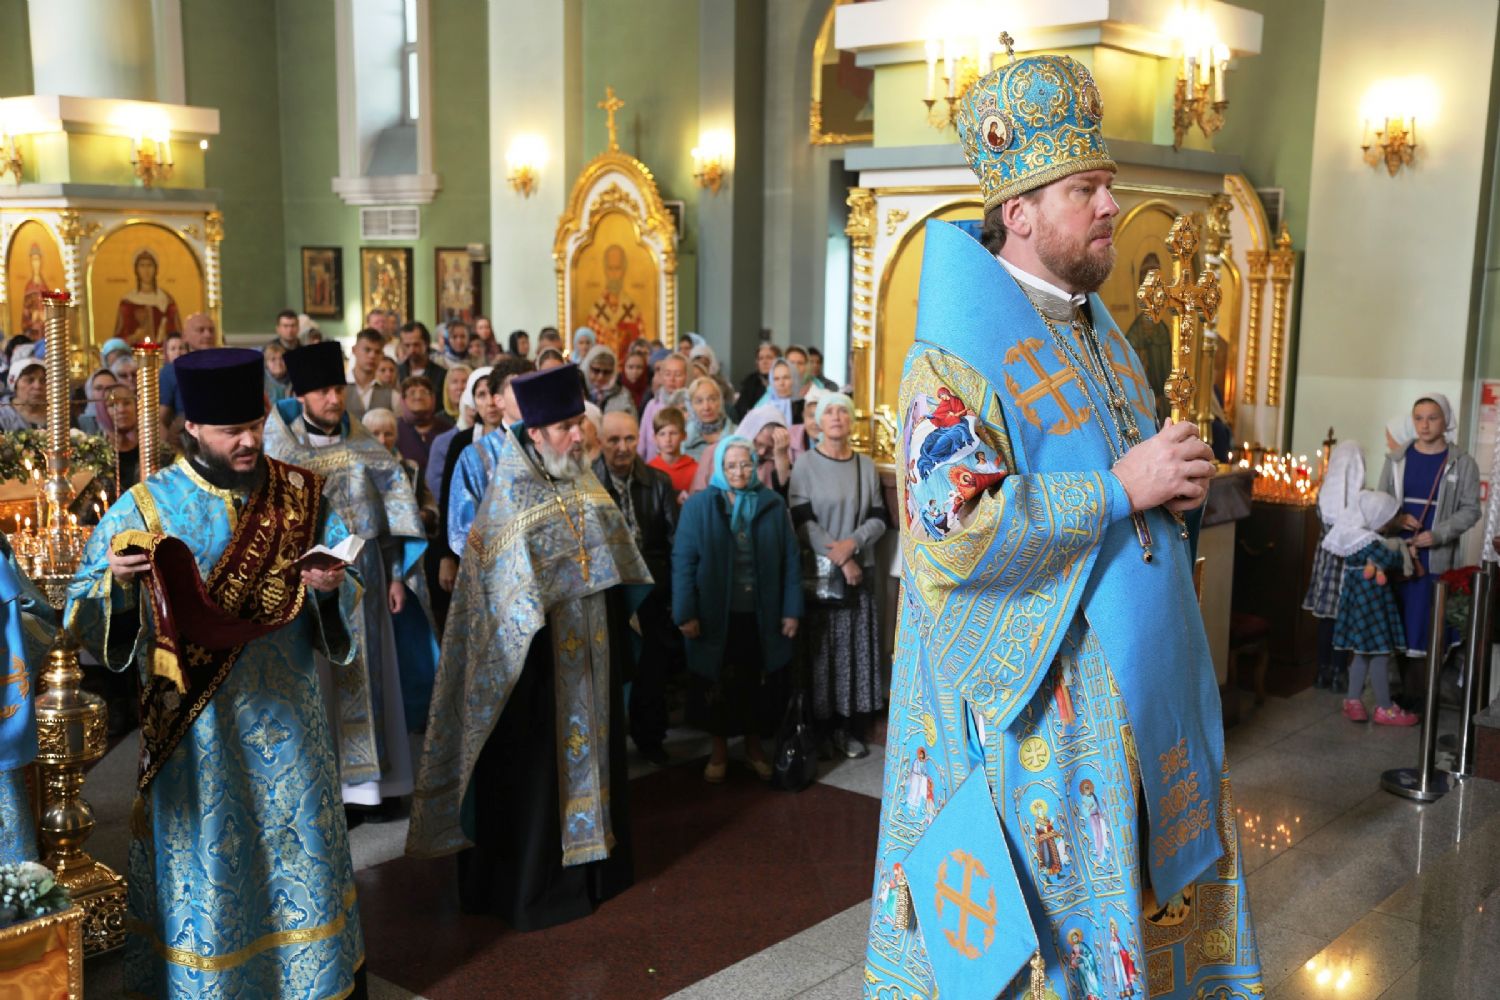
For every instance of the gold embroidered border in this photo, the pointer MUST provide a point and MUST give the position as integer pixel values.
(146, 504)
(528, 519)
(279, 939)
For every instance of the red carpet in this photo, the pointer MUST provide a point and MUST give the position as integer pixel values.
(722, 872)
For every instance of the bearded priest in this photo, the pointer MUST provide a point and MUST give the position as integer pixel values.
(1056, 797)
(523, 766)
(240, 877)
(395, 645)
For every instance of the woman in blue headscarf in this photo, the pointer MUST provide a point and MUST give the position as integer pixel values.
(784, 392)
(737, 597)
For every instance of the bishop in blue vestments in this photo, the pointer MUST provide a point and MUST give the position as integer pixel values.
(1049, 645)
(241, 882)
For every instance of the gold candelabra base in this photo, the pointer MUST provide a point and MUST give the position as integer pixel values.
(72, 732)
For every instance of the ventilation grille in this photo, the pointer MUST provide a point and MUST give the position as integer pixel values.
(1274, 200)
(402, 222)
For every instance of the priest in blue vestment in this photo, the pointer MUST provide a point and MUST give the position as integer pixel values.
(1056, 818)
(522, 771)
(395, 645)
(241, 882)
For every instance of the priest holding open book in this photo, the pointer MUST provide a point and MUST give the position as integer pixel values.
(240, 877)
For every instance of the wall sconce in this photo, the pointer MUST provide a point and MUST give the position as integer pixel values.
(1395, 143)
(152, 158)
(710, 156)
(1198, 98)
(961, 70)
(523, 162)
(1389, 116)
(11, 161)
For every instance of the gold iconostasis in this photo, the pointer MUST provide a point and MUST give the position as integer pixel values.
(133, 274)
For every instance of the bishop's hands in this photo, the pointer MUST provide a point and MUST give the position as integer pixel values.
(1171, 469)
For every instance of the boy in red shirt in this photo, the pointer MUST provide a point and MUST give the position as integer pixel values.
(670, 430)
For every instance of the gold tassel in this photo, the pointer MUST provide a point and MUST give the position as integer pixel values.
(1038, 989)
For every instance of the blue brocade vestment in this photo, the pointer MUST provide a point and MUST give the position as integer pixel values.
(241, 883)
(1035, 643)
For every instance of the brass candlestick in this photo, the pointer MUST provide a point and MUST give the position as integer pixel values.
(72, 724)
(147, 407)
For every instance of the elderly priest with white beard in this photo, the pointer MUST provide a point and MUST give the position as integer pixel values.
(529, 681)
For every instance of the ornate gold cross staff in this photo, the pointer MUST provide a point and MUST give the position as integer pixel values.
(1186, 300)
(610, 105)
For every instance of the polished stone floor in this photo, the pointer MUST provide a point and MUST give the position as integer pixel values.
(1357, 894)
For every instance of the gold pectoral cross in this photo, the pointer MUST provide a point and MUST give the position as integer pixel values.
(1186, 300)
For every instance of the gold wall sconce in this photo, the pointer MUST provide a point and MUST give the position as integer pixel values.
(1198, 99)
(11, 161)
(152, 158)
(965, 60)
(710, 159)
(524, 161)
(1388, 120)
(1395, 143)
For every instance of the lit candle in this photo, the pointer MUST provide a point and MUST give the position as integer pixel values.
(1219, 69)
(932, 58)
(948, 66)
(1411, 138)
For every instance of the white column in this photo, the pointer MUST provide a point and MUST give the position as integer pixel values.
(543, 63)
(93, 48)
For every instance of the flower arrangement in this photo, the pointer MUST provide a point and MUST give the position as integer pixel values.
(1460, 583)
(92, 453)
(27, 891)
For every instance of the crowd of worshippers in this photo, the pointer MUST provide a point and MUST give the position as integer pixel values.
(733, 491)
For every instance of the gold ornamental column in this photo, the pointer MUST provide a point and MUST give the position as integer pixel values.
(861, 232)
(71, 724)
(1260, 262)
(147, 407)
(1216, 237)
(1282, 259)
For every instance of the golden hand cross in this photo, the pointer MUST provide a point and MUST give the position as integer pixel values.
(611, 104)
(1186, 300)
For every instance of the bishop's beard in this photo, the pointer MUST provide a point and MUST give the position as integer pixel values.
(1082, 267)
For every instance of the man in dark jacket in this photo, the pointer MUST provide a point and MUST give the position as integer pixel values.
(646, 498)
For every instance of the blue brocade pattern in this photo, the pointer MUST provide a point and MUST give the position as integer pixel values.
(241, 882)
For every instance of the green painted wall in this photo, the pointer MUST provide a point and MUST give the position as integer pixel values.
(229, 63)
(15, 49)
(653, 65)
(312, 215)
(1272, 104)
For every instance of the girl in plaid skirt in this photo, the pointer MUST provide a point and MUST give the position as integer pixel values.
(1368, 624)
(1342, 481)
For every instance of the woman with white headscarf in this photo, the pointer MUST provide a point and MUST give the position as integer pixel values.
(838, 509)
(601, 371)
(1342, 482)
(1437, 484)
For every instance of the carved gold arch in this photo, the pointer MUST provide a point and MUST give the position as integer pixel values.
(821, 46)
(896, 317)
(616, 199)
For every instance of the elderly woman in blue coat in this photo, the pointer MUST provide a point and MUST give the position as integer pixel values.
(736, 596)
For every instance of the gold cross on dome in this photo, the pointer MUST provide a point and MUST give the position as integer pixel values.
(1186, 300)
(611, 104)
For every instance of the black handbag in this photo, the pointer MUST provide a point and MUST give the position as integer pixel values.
(796, 763)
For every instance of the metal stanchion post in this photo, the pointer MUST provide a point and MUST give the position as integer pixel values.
(1425, 783)
(1476, 679)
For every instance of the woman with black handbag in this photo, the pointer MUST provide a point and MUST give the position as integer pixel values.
(837, 507)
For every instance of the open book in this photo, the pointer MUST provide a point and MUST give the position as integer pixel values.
(342, 554)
